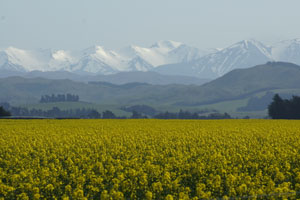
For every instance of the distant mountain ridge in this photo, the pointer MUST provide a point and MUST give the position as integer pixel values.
(237, 84)
(148, 77)
(165, 57)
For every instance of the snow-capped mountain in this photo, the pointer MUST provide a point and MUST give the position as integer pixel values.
(98, 59)
(41, 60)
(139, 64)
(288, 51)
(163, 52)
(244, 54)
(167, 57)
(185, 53)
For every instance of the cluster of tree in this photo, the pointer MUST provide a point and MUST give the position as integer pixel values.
(55, 112)
(190, 115)
(284, 108)
(59, 98)
(137, 115)
(143, 109)
(110, 115)
(4, 113)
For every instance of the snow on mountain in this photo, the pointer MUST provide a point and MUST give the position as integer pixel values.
(29, 60)
(156, 55)
(90, 64)
(41, 60)
(7, 65)
(166, 44)
(244, 54)
(97, 59)
(139, 64)
(163, 52)
(147, 54)
(168, 57)
(288, 51)
(185, 53)
(61, 60)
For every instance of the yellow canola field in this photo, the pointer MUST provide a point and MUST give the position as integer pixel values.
(149, 159)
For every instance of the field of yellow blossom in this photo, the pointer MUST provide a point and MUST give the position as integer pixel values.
(149, 159)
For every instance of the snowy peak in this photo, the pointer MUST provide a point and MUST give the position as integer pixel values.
(41, 60)
(98, 59)
(243, 54)
(3, 58)
(169, 56)
(288, 51)
(89, 64)
(7, 65)
(251, 45)
(185, 53)
(166, 45)
(29, 60)
(247, 43)
(63, 56)
(102, 59)
(161, 53)
(97, 51)
(132, 51)
(139, 64)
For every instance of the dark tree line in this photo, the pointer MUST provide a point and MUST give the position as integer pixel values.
(4, 113)
(190, 115)
(284, 108)
(142, 109)
(56, 112)
(59, 98)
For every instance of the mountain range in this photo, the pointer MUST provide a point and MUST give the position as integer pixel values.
(149, 77)
(164, 57)
(97, 59)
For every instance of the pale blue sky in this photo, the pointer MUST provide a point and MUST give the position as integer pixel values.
(77, 24)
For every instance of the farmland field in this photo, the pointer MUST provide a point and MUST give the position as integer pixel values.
(149, 159)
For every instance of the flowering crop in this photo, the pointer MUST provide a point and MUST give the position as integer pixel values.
(149, 159)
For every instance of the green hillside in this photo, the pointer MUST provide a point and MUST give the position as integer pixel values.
(228, 93)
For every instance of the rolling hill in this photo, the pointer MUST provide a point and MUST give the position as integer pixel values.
(237, 85)
(149, 77)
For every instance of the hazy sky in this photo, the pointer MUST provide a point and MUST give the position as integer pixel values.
(77, 24)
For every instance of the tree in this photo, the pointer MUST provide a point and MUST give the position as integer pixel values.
(4, 113)
(108, 115)
(284, 108)
(94, 114)
(136, 115)
(277, 108)
(43, 99)
(59, 98)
